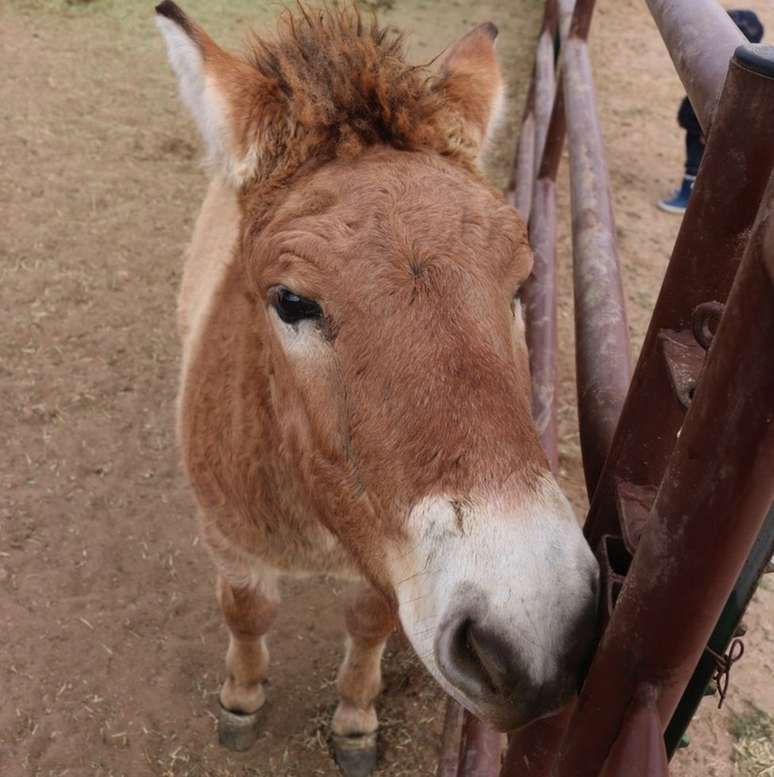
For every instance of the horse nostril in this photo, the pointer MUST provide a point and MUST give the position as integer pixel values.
(491, 656)
(476, 660)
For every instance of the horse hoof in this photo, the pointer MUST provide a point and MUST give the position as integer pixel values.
(236, 730)
(355, 755)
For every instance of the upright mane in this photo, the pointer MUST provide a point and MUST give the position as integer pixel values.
(329, 84)
(346, 85)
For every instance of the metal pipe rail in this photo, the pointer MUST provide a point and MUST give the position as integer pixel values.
(518, 193)
(601, 331)
(469, 748)
(531, 191)
(701, 39)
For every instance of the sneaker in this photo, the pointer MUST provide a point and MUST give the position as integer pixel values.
(678, 202)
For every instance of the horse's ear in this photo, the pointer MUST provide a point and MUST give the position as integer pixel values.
(221, 90)
(472, 82)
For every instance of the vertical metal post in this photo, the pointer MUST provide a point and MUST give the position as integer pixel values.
(545, 80)
(469, 747)
(537, 112)
(601, 331)
(539, 293)
(518, 193)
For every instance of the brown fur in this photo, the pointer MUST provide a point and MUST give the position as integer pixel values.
(331, 84)
(332, 89)
(386, 235)
(364, 196)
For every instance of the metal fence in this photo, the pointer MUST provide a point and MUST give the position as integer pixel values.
(678, 456)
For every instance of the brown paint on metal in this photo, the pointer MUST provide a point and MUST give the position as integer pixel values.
(539, 296)
(469, 747)
(634, 504)
(537, 111)
(519, 190)
(601, 330)
(613, 712)
(709, 247)
(482, 749)
(539, 293)
(684, 359)
(701, 39)
(639, 749)
(566, 11)
(768, 253)
(532, 750)
(557, 130)
(581, 19)
(451, 741)
(690, 554)
(545, 81)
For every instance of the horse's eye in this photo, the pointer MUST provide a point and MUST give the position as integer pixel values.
(291, 307)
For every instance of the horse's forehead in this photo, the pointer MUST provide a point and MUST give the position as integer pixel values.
(432, 209)
(402, 185)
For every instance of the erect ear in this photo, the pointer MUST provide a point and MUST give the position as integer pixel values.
(222, 91)
(472, 82)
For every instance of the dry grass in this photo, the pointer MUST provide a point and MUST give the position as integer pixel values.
(753, 733)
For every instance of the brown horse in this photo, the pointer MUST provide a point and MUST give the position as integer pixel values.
(355, 392)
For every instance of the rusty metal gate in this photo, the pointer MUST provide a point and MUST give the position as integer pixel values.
(678, 455)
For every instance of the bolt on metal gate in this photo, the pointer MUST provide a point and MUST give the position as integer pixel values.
(678, 456)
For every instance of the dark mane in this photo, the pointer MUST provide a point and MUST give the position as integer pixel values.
(345, 83)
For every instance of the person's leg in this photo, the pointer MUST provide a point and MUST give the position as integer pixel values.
(694, 150)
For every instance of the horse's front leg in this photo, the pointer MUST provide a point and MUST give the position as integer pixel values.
(370, 621)
(249, 610)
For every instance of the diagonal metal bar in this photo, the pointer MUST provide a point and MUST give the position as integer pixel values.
(691, 554)
(639, 749)
(724, 631)
(704, 261)
(701, 39)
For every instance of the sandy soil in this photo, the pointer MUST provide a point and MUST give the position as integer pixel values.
(110, 640)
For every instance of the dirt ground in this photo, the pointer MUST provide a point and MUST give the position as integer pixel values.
(111, 645)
